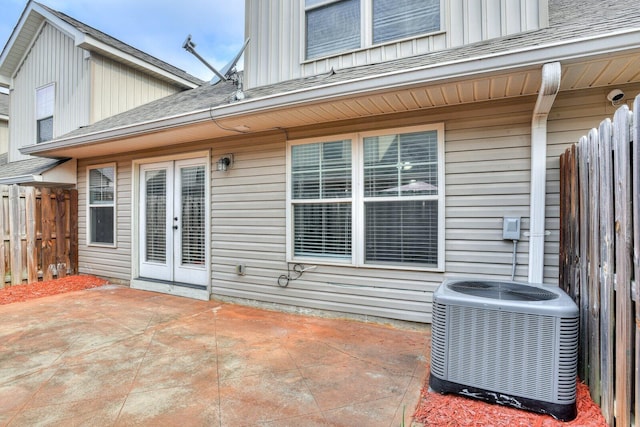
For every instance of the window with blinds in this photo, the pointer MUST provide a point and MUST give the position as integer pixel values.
(321, 194)
(155, 197)
(193, 215)
(101, 191)
(45, 102)
(398, 202)
(335, 26)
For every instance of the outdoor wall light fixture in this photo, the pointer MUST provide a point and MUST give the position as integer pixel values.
(224, 162)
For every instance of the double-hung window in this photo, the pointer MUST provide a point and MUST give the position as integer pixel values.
(335, 26)
(45, 101)
(101, 207)
(369, 199)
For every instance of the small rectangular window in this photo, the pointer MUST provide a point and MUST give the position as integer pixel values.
(101, 206)
(332, 28)
(45, 102)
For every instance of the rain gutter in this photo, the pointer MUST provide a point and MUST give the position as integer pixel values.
(531, 56)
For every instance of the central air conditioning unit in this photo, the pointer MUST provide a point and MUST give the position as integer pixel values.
(506, 342)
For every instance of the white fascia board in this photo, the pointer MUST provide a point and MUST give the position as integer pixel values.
(4, 117)
(87, 42)
(534, 56)
(21, 179)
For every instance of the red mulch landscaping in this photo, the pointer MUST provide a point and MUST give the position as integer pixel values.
(17, 293)
(450, 410)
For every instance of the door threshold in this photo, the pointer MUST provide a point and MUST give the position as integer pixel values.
(187, 290)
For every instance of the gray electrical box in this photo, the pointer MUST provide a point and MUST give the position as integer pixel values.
(511, 228)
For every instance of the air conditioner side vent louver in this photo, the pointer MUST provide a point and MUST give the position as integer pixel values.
(507, 342)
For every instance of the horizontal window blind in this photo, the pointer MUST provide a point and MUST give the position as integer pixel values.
(193, 215)
(332, 28)
(156, 216)
(402, 232)
(322, 230)
(321, 170)
(396, 19)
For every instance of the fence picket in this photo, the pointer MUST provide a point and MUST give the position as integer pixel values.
(621, 138)
(636, 246)
(61, 247)
(593, 262)
(583, 250)
(606, 271)
(14, 233)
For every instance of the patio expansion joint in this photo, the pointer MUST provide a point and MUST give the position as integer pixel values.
(133, 382)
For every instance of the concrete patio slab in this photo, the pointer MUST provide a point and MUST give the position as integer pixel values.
(114, 356)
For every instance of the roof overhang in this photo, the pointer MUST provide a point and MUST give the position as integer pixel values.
(63, 174)
(30, 23)
(611, 59)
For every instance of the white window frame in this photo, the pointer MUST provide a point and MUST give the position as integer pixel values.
(113, 205)
(358, 200)
(366, 29)
(39, 116)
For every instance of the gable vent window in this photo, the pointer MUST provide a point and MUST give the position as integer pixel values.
(335, 26)
(45, 101)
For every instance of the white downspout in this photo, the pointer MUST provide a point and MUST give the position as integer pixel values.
(549, 88)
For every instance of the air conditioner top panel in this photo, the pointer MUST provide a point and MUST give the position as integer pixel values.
(506, 295)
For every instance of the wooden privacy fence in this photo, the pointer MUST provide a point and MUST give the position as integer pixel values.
(599, 258)
(38, 234)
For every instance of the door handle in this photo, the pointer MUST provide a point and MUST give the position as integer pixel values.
(175, 227)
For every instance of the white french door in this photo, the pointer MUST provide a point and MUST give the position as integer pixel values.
(173, 223)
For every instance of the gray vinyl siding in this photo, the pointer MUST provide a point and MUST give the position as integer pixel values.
(117, 88)
(53, 58)
(276, 28)
(487, 173)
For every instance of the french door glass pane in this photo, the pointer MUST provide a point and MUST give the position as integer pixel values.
(396, 19)
(156, 215)
(193, 215)
(333, 28)
(402, 232)
(322, 229)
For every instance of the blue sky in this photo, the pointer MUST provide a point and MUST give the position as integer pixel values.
(158, 27)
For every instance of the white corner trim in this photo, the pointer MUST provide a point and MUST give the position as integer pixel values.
(549, 88)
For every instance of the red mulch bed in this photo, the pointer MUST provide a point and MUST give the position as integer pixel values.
(449, 410)
(17, 293)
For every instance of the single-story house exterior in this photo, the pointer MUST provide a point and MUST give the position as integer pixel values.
(357, 189)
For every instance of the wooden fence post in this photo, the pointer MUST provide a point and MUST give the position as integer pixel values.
(61, 244)
(30, 214)
(622, 180)
(607, 331)
(15, 244)
(47, 229)
(3, 190)
(73, 230)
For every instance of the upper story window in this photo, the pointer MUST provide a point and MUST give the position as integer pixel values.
(45, 101)
(334, 26)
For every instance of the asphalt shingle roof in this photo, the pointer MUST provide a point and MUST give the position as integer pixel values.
(568, 19)
(33, 166)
